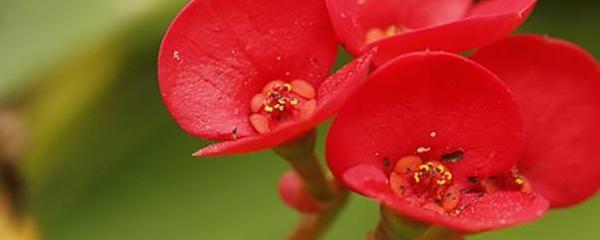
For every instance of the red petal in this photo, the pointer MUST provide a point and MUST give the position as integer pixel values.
(501, 209)
(366, 180)
(430, 100)
(332, 93)
(352, 19)
(294, 194)
(557, 85)
(218, 54)
(335, 91)
(494, 7)
(488, 212)
(488, 21)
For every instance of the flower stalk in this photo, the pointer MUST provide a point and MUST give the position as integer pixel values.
(312, 226)
(393, 226)
(299, 152)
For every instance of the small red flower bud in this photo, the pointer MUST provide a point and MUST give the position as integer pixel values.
(294, 194)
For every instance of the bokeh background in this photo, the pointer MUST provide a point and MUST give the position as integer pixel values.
(106, 161)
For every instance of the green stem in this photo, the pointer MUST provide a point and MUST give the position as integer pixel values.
(312, 226)
(300, 154)
(437, 233)
(382, 232)
(393, 226)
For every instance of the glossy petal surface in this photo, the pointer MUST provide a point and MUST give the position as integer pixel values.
(218, 54)
(431, 104)
(557, 85)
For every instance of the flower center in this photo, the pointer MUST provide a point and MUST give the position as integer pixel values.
(277, 99)
(280, 101)
(376, 34)
(428, 184)
(431, 185)
(432, 172)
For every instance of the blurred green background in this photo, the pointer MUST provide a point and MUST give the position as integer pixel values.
(107, 162)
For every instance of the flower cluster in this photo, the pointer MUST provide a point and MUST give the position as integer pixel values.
(465, 143)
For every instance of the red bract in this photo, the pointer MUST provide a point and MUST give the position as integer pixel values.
(253, 73)
(294, 194)
(557, 86)
(435, 137)
(401, 26)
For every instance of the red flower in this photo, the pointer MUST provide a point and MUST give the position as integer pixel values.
(401, 26)
(557, 86)
(436, 137)
(294, 194)
(429, 135)
(252, 73)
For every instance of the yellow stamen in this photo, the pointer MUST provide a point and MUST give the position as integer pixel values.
(391, 31)
(284, 100)
(448, 175)
(268, 109)
(417, 177)
(519, 181)
(287, 87)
